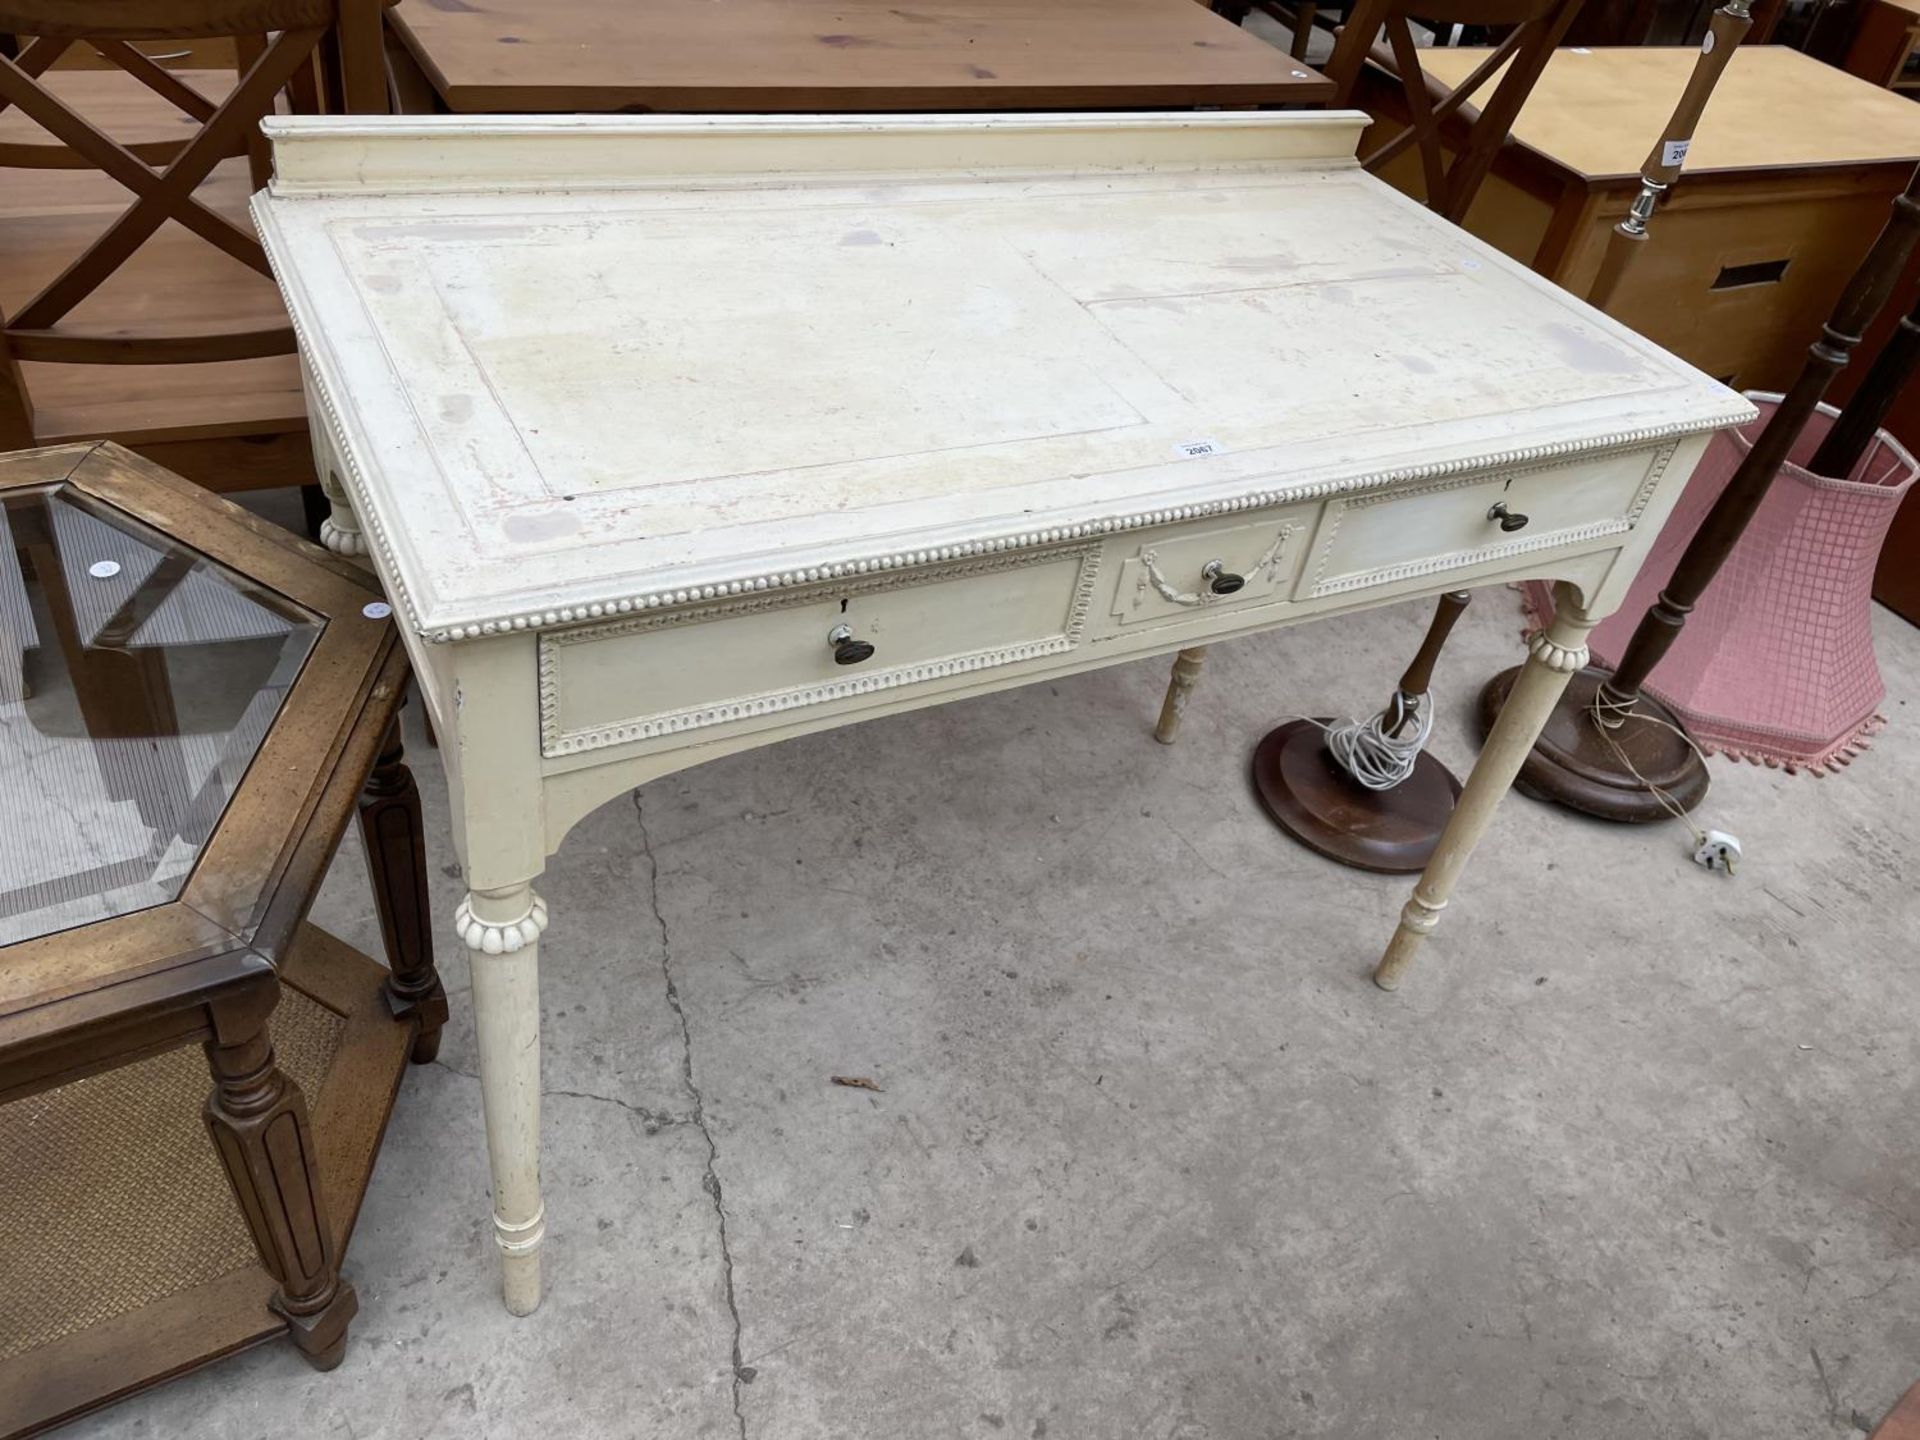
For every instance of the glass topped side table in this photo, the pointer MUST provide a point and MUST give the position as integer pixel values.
(192, 704)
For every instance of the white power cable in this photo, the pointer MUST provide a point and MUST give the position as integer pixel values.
(1381, 751)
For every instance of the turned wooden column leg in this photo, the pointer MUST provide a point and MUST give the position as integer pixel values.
(502, 929)
(396, 847)
(1186, 670)
(259, 1126)
(1552, 658)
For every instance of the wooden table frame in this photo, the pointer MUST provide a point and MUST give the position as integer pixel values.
(583, 672)
(781, 56)
(207, 967)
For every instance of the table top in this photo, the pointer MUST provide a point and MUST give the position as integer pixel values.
(1597, 112)
(842, 55)
(111, 787)
(586, 366)
(179, 682)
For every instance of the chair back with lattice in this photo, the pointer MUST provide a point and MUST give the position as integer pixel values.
(318, 54)
(1532, 29)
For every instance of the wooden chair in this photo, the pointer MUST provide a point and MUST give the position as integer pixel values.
(1531, 29)
(1299, 16)
(135, 302)
(1376, 44)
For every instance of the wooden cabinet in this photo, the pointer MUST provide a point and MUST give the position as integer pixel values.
(1790, 176)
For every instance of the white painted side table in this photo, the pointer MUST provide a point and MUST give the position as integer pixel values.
(670, 437)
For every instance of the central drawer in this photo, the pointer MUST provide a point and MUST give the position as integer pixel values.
(782, 650)
(1179, 572)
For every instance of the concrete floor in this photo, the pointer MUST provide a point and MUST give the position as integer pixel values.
(1633, 1154)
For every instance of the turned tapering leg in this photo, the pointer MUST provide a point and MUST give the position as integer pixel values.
(502, 929)
(1552, 658)
(340, 531)
(396, 846)
(258, 1122)
(1186, 670)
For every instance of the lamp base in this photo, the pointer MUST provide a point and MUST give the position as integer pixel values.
(1574, 764)
(1308, 795)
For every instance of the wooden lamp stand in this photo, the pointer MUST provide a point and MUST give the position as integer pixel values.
(1610, 751)
(1617, 772)
(1315, 799)
(1307, 792)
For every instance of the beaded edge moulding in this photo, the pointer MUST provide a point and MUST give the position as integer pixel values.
(1491, 466)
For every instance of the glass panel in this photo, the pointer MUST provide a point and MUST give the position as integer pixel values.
(137, 680)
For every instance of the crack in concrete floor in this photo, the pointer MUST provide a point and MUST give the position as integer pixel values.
(651, 1121)
(741, 1373)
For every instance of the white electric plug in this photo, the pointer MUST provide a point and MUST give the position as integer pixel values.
(1718, 851)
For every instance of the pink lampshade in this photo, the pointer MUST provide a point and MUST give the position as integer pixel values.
(1776, 662)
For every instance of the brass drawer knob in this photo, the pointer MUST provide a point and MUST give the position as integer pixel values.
(846, 649)
(1510, 521)
(1219, 579)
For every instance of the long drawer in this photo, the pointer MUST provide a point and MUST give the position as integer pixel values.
(762, 654)
(1375, 539)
